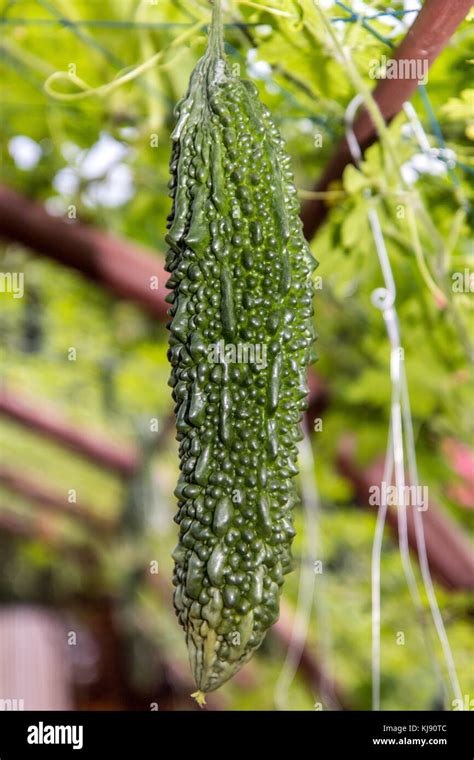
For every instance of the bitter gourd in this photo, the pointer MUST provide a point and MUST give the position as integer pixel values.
(241, 339)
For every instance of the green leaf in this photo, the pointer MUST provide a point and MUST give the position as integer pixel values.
(354, 226)
(353, 180)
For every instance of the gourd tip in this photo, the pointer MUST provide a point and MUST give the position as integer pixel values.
(200, 697)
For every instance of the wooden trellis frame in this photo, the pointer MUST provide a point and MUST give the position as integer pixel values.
(454, 572)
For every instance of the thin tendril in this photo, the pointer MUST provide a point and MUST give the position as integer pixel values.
(105, 89)
(267, 9)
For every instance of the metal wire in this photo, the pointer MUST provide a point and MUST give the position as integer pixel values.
(400, 438)
(113, 24)
(434, 123)
(74, 25)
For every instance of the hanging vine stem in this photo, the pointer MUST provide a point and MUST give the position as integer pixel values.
(376, 560)
(309, 592)
(376, 116)
(363, 21)
(384, 299)
(357, 82)
(442, 296)
(310, 493)
(421, 544)
(396, 454)
(129, 76)
(400, 434)
(306, 584)
(421, 261)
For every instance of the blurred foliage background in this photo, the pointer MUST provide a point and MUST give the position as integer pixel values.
(106, 157)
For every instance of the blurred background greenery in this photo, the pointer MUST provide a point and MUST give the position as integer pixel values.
(105, 159)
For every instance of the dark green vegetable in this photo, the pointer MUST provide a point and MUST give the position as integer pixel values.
(241, 339)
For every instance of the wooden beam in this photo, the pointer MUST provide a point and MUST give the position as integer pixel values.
(126, 269)
(450, 555)
(40, 418)
(52, 501)
(433, 28)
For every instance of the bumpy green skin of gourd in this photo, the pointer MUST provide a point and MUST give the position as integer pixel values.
(240, 273)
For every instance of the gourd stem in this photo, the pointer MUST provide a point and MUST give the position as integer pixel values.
(216, 32)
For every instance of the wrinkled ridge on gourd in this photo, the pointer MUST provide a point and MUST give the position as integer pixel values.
(240, 274)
